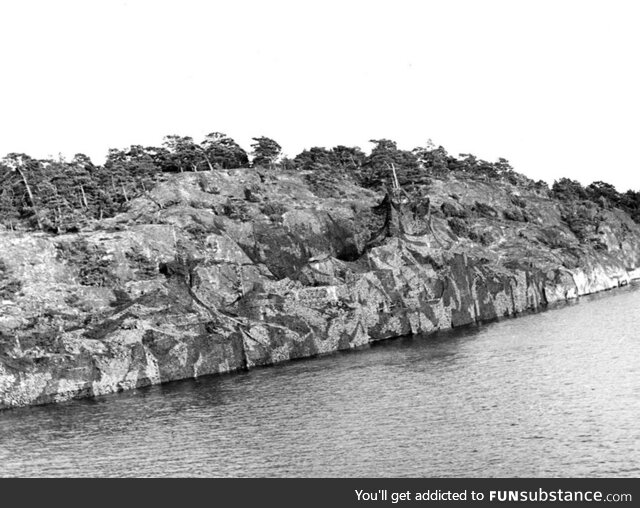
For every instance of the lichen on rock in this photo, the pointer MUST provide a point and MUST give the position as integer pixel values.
(200, 276)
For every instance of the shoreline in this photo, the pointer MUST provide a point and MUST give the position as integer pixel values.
(633, 278)
(196, 280)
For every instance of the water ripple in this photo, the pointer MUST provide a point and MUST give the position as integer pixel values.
(549, 394)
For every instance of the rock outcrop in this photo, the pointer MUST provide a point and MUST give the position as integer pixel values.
(220, 271)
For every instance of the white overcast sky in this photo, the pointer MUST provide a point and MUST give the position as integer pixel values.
(553, 86)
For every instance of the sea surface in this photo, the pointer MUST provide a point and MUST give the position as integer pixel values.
(555, 393)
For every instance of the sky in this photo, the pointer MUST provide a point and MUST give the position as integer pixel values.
(553, 86)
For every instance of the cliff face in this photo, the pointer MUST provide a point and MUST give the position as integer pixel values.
(213, 272)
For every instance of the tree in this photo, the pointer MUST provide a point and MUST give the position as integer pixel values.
(349, 158)
(62, 194)
(265, 151)
(384, 156)
(183, 154)
(129, 172)
(126, 174)
(316, 158)
(10, 190)
(630, 203)
(27, 169)
(503, 166)
(339, 158)
(566, 189)
(84, 179)
(605, 193)
(433, 160)
(222, 151)
(470, 163)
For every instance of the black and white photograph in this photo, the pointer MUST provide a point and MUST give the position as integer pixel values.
(340, 239)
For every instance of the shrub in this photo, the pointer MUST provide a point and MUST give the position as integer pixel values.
(9, 285)
(95, 267)
(459, 227)
(236, 210)
(515, 214)
(274, 211)
(145, 267)
(485, 210)
(451, 210)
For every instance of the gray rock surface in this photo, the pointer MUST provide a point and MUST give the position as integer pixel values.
(201, 277)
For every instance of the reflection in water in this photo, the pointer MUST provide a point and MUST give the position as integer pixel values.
(549, 394)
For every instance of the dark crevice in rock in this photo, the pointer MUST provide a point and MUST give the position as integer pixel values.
(162, 302)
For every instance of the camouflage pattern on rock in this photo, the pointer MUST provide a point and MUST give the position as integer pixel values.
(196, 279)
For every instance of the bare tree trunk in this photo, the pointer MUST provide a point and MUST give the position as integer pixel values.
(396, 185)
(33, 202)
(84, 197)
(204, 153)
(208, 161)
(58, 220)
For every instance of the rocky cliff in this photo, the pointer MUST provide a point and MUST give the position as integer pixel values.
(218, 271)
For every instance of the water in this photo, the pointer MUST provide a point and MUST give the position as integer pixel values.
(549, 394)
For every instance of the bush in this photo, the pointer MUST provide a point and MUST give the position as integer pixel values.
(451, 210)
(237, 210)
(517, 201)
(485, 210)
(145, 267)
(582, 220)
(9, 286)
(459, 227)
(274, 211)
(96, 268)
(566, 189)
(515, 214)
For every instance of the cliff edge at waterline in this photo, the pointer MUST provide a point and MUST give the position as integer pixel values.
(216, 271)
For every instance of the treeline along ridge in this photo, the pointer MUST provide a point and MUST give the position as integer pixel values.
(59, 196)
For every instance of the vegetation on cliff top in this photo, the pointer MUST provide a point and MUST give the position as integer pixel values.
(60, 196)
